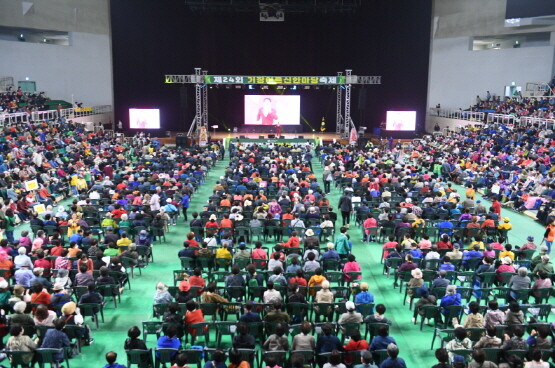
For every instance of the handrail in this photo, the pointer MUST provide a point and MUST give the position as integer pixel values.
(457, 114)
(539, 87)
(74, 112)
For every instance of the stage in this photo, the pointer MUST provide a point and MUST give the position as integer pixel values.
(263, 137)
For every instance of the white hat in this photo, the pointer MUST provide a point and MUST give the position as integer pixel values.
(309, 232)
(168, 200)
(350, 305)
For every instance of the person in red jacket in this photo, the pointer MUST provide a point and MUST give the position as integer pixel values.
(293, 242)
(496, 206)
(356, 343)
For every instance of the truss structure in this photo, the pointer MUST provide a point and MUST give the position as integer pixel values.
(343, 83)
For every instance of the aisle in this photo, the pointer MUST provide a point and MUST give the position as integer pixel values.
(136, 305)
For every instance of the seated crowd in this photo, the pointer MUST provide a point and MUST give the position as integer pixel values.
(301, 303)
(77, 255)
(451, 256)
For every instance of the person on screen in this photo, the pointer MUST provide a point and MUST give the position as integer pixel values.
(141, 124)
(398, 125)
(267, 113)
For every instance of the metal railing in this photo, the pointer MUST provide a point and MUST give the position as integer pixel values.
(457, 114)
(538, 89)
(76, 112)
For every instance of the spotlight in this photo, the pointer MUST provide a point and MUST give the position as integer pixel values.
(313, 130)
(251, 86)
(294, 88)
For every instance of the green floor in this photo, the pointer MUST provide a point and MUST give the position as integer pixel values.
(137, 303)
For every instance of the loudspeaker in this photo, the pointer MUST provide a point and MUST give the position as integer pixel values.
(242, 137)
(281, 137)
(271, 136)
(301, 137)
(260, 137)
(180, 140)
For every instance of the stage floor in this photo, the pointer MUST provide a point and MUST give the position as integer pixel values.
(221, 135)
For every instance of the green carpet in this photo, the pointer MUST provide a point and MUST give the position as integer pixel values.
(137, 303)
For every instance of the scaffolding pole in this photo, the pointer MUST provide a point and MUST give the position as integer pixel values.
(347, 118)
(338, 107)
(204, 103)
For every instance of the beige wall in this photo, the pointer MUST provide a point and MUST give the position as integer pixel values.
(87, 16)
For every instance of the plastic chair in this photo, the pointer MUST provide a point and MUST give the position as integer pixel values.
(151, 328)
(48, 356)
(140, 358)
(163, 356)
(224, 328)
(17, 358)
(444, 336)
(92, 310)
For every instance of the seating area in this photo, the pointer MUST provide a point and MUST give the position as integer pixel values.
(64, 262)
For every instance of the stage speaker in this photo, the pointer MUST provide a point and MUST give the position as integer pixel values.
(180, 140)
(301, 137)
(281, 137)
(270, 136)
(260, 137)
(242, 137)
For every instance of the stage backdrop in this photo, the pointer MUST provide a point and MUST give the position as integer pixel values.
(153, 38)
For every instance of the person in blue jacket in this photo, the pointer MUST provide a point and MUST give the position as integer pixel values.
(451, 298)
(169, 341)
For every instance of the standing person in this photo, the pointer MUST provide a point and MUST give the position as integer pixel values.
(342, 244)
(548, 236)
(278, 130)
(10, 225)
(345, 206)
(267, 114)
(185, 204)
(328, 178)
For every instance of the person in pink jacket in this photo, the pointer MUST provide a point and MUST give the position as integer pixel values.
(351, 266)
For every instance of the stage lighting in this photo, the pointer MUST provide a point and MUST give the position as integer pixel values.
(280, 87)
(306, 87)
(238, 86)
(264, 87)
(251, 86)
(294, 88)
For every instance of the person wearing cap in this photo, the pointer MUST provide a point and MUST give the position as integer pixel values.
(243, 252)
(350, 316)
(183, 294)
(458, 361)
(310, 240)
(529, 245)
(480, 209)
(212, 223)
(455, 253)
(506, 225)
(143, 239)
